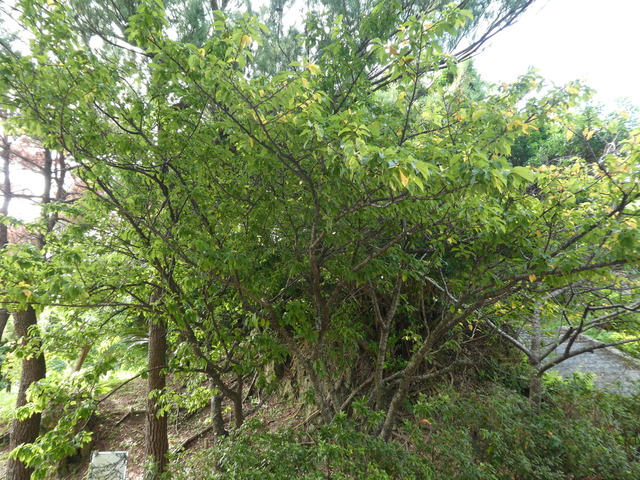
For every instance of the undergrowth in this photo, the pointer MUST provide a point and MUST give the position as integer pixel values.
(488, 434)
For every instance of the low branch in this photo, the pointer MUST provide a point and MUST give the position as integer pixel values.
(581, 351)
(192, 439)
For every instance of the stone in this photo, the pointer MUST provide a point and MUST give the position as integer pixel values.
(108, 466)
(612, 369)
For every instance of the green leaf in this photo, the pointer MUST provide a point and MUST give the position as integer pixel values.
(524, 172)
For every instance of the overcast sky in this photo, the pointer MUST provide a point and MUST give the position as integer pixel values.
(594, 40)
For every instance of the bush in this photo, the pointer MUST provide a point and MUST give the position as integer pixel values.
(336, 452)
(497, 434)
(490, 434)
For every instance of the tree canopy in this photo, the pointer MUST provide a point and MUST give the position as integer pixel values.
(354, 211)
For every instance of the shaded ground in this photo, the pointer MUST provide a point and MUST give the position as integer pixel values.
(119, 425)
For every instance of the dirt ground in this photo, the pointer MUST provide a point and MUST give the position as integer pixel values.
(119, 425)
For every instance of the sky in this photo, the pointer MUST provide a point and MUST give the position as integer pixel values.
(572, 39)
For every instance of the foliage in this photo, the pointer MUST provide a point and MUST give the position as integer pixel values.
(489, 434)
(336, 451)
(616, 336)
(355, 210)
(589, 133)
(69, 402)
(497, 434)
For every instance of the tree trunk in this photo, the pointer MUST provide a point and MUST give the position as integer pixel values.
(238, 411)
(535, 382)
(216, 416)
(157, 444)
(403, 388)
(33, 369)
(4, 317)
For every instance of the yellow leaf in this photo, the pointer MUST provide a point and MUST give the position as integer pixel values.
(27, 293)
(477, 114)
(393, 51)
(404, 179)
(538, 234)
(568, 135)
(313, 68)
(245, 41)
(532, 278)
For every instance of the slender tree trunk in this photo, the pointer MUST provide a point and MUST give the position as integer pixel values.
(238, 411)
(4, 318)
(216, 416)
(401, 393)
(385, 323)
(157, 444)
(535, 382)
(33, 369)
(4, 211)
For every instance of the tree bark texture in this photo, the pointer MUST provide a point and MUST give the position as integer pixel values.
(33, 369)
(535, 382)
(157, 444)
(4, 317)
(217, 419)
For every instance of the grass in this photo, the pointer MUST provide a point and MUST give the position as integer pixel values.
(604, 336)
(7, 404)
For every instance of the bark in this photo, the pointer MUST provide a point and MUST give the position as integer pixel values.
(4, 210)
(385, 323)
(6, 189)
(157, 444)
(535, 382)
(4, 318)
(238, 411)
(405, 382)
(33, 369)
(216, 416)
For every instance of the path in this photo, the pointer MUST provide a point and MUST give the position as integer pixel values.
(613, 369)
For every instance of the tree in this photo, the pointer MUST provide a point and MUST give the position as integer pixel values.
(4, 210)
(360, 224)
(52, 167)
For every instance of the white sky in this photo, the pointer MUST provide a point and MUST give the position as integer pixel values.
(572, 39)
